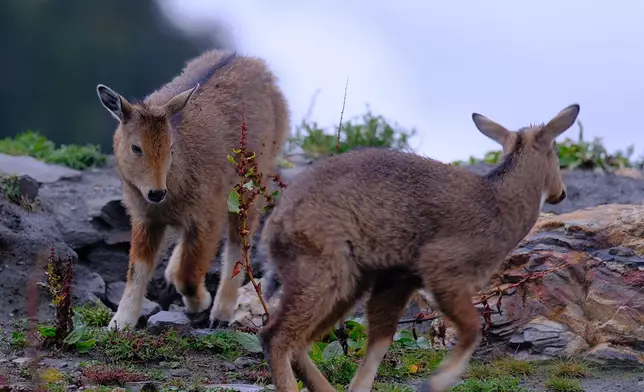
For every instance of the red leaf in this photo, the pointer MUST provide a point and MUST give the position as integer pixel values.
(235, 270)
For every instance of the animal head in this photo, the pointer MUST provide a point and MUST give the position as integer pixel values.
(143, 141)
(538, 144)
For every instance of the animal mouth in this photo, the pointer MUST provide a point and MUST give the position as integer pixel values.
(558, 199)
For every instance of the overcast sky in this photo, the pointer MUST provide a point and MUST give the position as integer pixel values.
(430, 64)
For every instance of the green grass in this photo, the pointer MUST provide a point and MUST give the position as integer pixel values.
(563, 384)
(501, 367)
(368, 130)
(576, 154)
(35, 145)
(10, 188)
(497, 384)
(570, 368)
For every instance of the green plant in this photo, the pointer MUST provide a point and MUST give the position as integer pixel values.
(564, 384)
(60, 275)
(368, 130)
(10, 187)
(138, 346)
(18, 340)
(570, 368)
(37, 146)
(94, 315)
(111, 375)
(223, 343)
(502, 384)
(575, 154)
(241, 198)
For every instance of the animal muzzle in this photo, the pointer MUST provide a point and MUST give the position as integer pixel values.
(557, 199)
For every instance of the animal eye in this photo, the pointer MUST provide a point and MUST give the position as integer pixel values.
(136, 149)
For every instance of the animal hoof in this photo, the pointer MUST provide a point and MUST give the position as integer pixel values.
(219, 324)
(425, 387)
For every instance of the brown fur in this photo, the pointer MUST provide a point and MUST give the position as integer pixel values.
(393, 222)
(177, 140)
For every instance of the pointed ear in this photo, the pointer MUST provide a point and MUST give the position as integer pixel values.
(489, 128)
(118, 106)
(179, 101)
(559, 124)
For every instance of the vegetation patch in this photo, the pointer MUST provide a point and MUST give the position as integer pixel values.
(367, 130)
(571, 368)
(502, 367)
(576, 154)
(35, 145)
(497, 384)
(564, 384)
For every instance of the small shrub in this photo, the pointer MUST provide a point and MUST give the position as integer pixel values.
(570, 368)
(111, 375)
(575, 154)
(502, 367)
(10, 187)
(368, 130)
(138, 346)
(221, 343)
(18, 340)
(37, 146)
(564, 384)
(502, 384)
(97, 315)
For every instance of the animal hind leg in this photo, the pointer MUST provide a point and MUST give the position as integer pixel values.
(223, 308)
(146, 240)
(456, 305)
(309, 306)
(385, 306)
(189, 263)
(302, 363)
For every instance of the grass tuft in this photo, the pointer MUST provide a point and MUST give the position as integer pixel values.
(571, 368)
(564, 384)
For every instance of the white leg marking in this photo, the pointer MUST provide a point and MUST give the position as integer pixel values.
(129, 309)
(223, 308)
(173, 264)
(363, 379)
(544, 196)
(449, 371)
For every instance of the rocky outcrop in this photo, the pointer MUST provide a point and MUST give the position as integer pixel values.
(594, 304)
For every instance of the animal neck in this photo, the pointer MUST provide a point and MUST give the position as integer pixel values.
(518, 185)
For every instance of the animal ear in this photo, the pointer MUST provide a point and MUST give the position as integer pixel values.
(118, 106)
(491, 129)
(559, 124)
(179, 101)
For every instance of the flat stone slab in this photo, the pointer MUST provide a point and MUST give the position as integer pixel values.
(38, 170)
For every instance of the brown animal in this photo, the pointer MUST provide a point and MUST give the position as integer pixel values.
(393, 222)
(171, 151)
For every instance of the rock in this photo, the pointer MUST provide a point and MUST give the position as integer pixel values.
(609, 354)
(91, 282)
(28, 187)
(38, 170)
(115, 292)
(110, 210)
(249, 311)
(164, 320)
(544, 336)
(235, 387)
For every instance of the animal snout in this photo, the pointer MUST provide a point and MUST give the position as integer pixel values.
(559, 199)
(157, 195)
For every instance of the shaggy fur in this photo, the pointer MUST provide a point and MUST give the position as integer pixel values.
(171, 151)
(391, 223)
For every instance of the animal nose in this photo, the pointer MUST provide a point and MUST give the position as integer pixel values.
(157, 196)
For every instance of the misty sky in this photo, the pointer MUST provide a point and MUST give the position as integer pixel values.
(430, 64)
